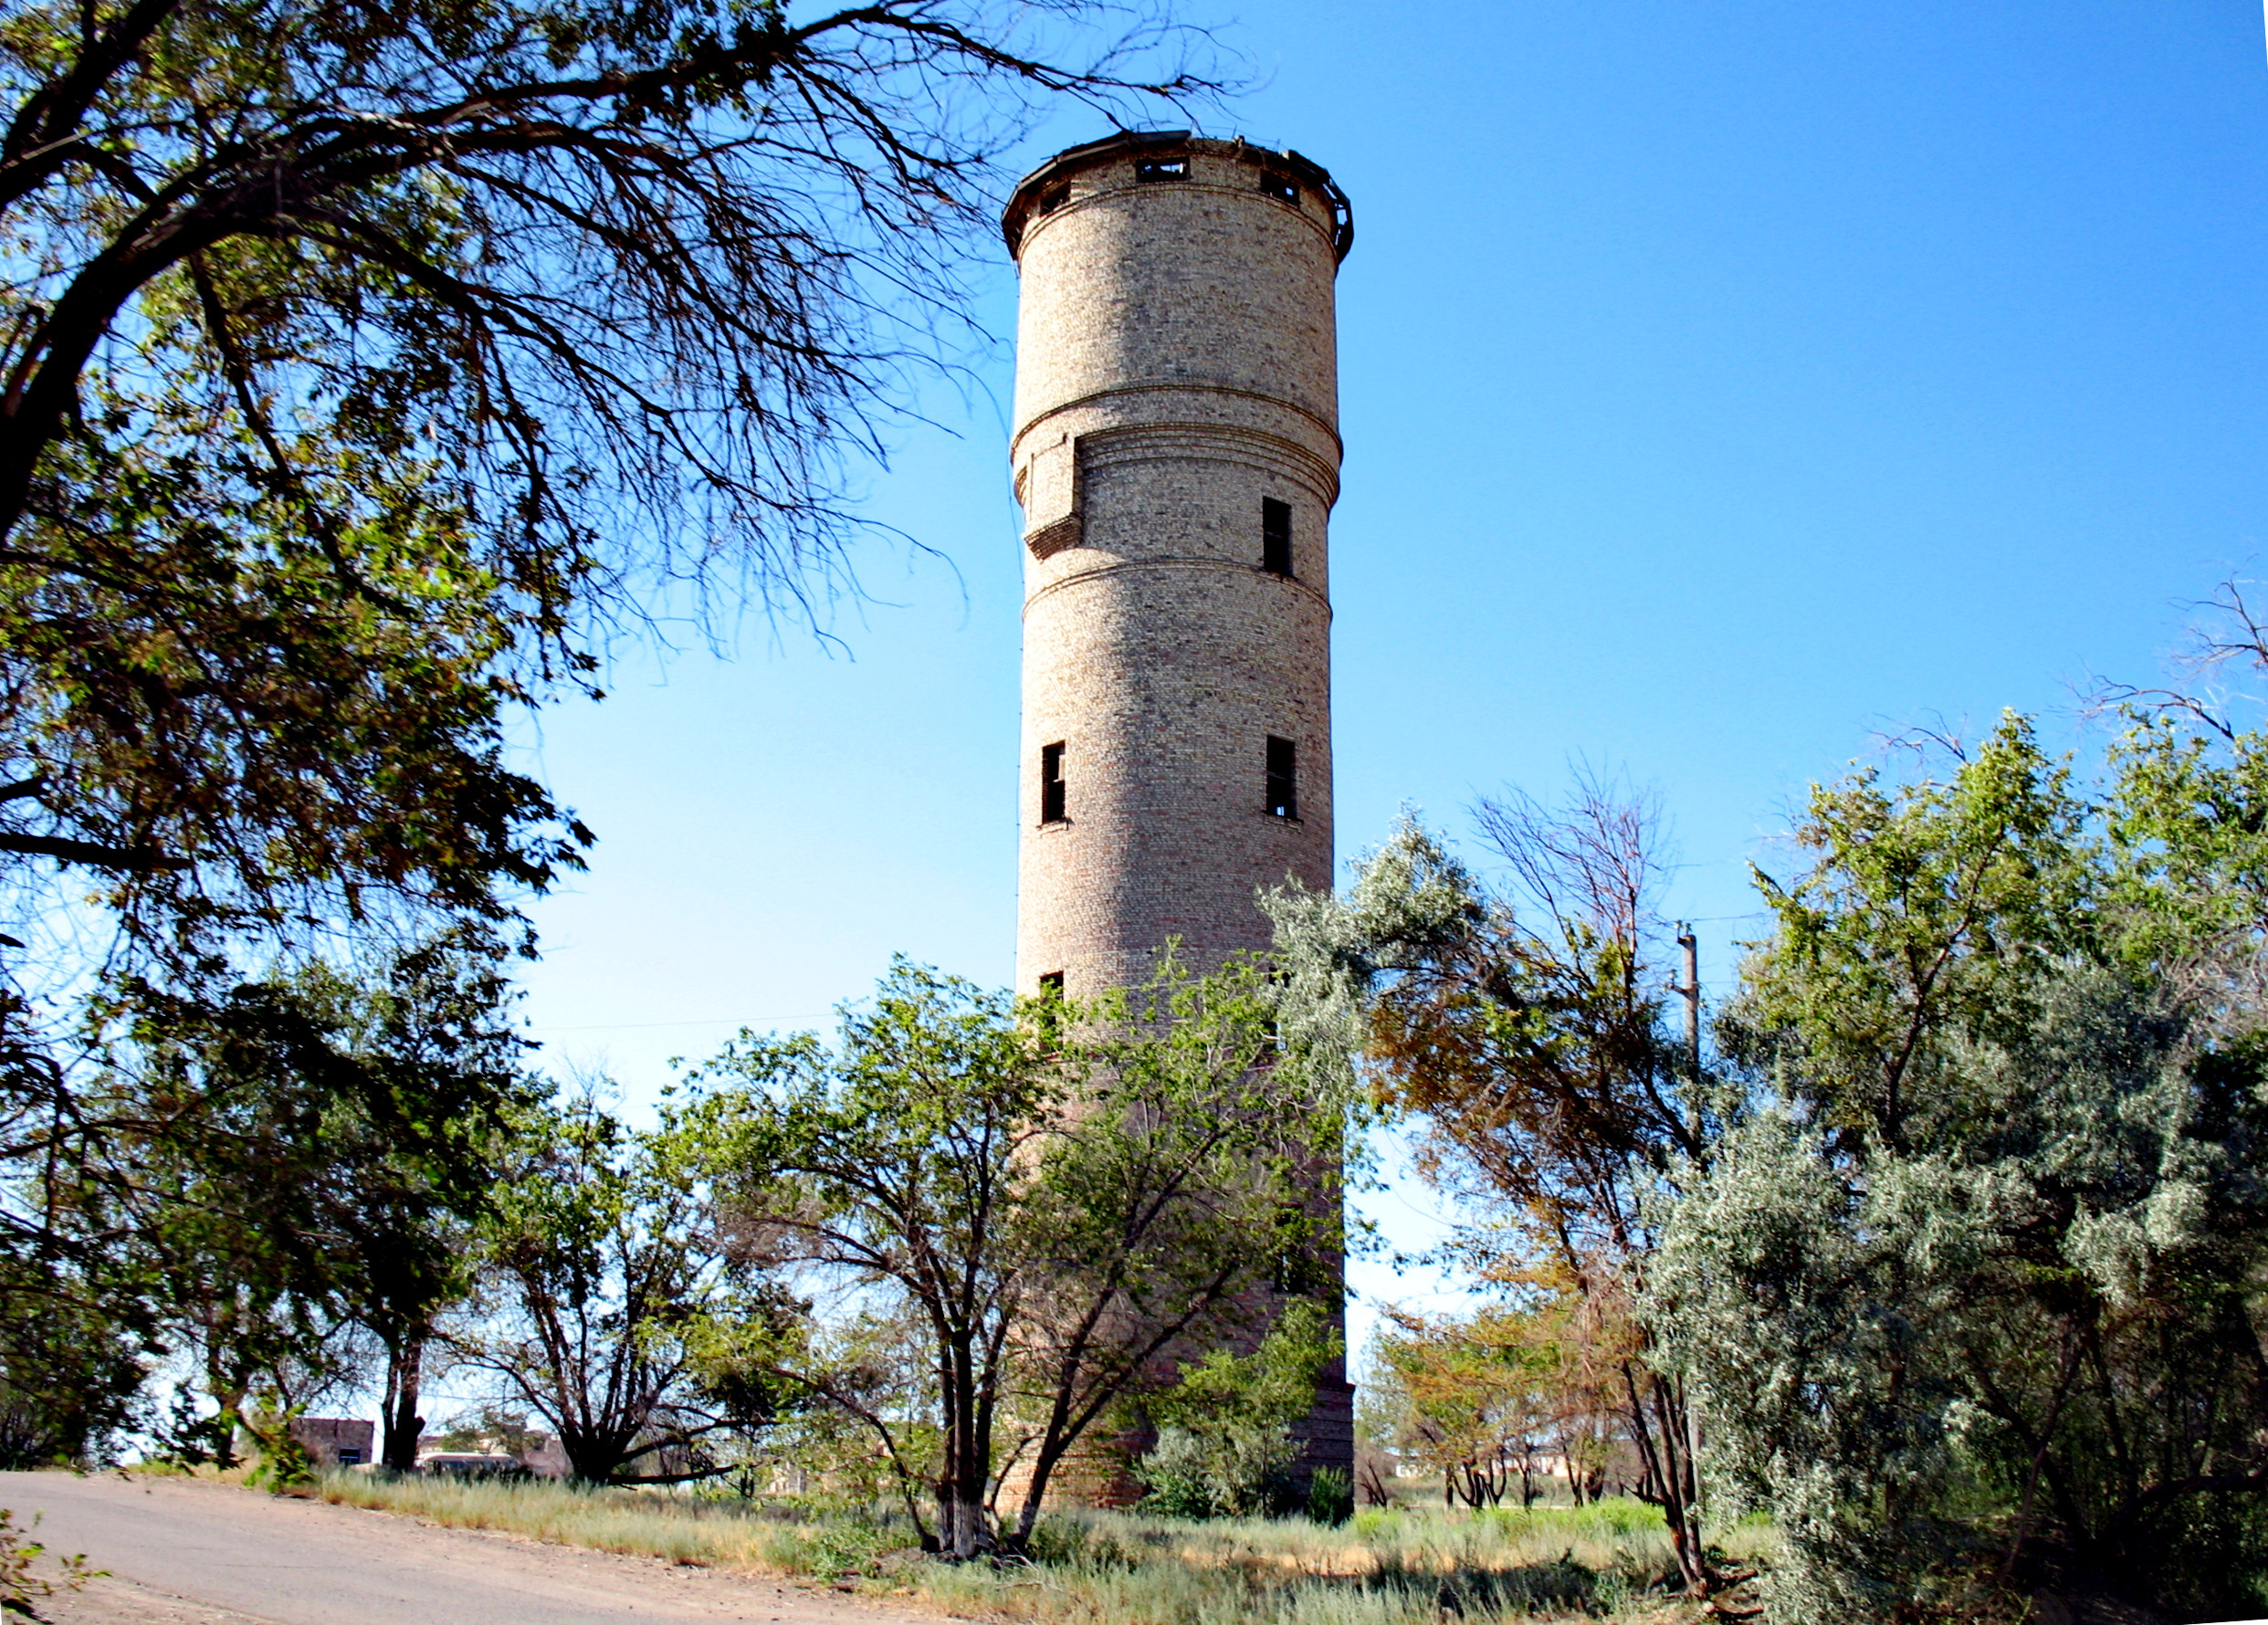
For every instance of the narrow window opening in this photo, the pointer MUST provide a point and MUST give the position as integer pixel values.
(1282, 778)
(1276, 535)
(1281, 187)
(1055, 197)
(1162, 169)
(1048, 1019)
(1051, 783)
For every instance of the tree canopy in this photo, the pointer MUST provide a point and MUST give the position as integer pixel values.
(359, 364)
(1971, 1297)
(364, 370)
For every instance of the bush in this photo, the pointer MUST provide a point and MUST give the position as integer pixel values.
(1228, 1471)
(1331, 1496)
(1176, 1474)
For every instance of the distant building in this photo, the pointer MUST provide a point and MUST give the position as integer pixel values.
(469, 1463)
(334, 1440)
(543, 1455)
(537, 1453)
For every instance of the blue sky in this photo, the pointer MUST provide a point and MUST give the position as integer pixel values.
(1722, 384)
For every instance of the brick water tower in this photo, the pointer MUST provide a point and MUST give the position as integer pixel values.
(1176, 454)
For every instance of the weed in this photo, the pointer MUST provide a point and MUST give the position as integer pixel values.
(19, 1587)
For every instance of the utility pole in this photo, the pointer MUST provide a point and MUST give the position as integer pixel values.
(1691, 946)
(1691, 990)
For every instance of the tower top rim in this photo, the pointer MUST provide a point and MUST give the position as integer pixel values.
(1166, 144)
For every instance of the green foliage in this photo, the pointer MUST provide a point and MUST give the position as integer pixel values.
(19, 1587)
(1331, 1496)
(1224, 1445)
(70, 1372)
(283, 1463)
(616, 1313)
(1046, 1199)
(1934, 910)
(241, 1176)
(1971, 1300)
(904, 1158)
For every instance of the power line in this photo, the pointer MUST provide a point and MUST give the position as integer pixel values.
(806, 1015)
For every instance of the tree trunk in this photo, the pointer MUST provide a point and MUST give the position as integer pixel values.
(227, 1423)
(403, 1427)
(1669, 1463)
(962, 1527)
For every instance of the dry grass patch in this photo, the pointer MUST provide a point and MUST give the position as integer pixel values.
(680, 1529)
(1394, 1568)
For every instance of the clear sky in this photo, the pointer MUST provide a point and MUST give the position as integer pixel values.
(1721, 382)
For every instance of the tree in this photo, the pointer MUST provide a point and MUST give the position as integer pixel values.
(1523, 1033)
(1971, 1301)
(305, 1156)
(436, 1024)
(1490, 1397)
(245, 1174)
(1064, 1198)
(358, 363)
(902, 1165)
(613, 1311)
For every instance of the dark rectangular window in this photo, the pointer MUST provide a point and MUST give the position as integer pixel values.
(1054, 198)
(1051, 984)
(1282, 778)
(1162, 169)
(1051, 784)
(1276, 535)
(1281, 187)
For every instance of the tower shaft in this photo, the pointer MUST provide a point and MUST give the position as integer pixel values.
(1176, 453)
(1176, 456)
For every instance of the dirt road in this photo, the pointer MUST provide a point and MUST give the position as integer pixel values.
(204, 1554)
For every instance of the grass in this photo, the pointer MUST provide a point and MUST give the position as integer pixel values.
(682, 1529)
(1389, 1566)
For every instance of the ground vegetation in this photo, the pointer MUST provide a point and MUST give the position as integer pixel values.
(1397, 1566)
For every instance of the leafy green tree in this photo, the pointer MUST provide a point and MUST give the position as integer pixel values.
(1064, 1198)
(1972, 1301)
(254, 1171)
(70, 1379)
(901, 1164)
(615, 1312)
(401, 1228)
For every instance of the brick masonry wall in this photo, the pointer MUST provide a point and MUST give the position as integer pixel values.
(1176, 366)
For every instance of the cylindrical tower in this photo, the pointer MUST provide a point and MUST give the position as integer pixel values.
(1176, 454)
